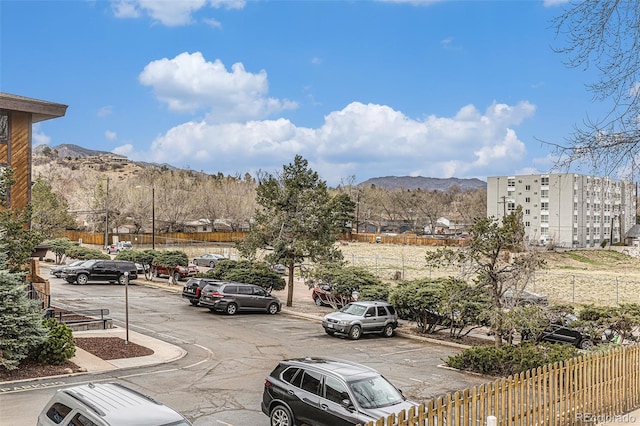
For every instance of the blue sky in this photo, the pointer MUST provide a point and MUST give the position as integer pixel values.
(360, 88)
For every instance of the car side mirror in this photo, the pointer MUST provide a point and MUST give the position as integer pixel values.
(346, 403)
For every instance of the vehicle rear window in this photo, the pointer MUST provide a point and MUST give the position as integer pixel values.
(211, 288)
(289, 375)
(382, 312)
(391, 310)
(58, 412)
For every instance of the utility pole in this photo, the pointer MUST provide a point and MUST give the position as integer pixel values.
(106, 216)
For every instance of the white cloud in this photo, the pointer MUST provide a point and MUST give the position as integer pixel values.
(170, 13)
(189, 83)
(551, 3)
(105, 111)
(110, 135)
(125, 149)
(316, 61)
(38, 137)
(361, 139)
(213, 23)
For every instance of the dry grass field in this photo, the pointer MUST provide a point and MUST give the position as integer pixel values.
(601, 277)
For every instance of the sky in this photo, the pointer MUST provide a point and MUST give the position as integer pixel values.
(360, 89)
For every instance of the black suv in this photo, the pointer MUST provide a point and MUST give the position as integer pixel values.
(231, 297)
(328, 392)
(192, 290)
(101, 270)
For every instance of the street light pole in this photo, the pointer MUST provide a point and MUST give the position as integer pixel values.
(153, 217)
(106, 216)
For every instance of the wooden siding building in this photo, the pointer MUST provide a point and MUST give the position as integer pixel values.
(17, 116)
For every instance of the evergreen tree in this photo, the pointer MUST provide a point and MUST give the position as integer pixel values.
(297, 219)
(21, 327)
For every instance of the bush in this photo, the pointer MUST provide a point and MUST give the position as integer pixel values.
(374, 292)
(245, 272)
(59, 345)
(508, 360)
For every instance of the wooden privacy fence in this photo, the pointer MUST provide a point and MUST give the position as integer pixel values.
(596, 388)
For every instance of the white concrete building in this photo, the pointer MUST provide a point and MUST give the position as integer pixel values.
(568, 210)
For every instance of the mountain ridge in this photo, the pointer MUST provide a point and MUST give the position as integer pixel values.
(76, 152)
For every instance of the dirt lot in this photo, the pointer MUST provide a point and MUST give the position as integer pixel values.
(601, 277)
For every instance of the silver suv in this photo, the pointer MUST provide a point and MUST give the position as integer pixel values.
(107, 404)
(357, 318)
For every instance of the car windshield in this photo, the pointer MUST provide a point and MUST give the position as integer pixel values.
(375, 392)
(88, 263)
(354, 309)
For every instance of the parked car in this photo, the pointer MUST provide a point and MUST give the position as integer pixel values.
(142, 268)
(328, 392)
(119, 246)
(209, 259)
(564, 330)
(57, 270)
(517, 297)
(180, 273)
(192, 290)
(322, 296)
(278, 268)
(231, 297)
(101, 270)
(106, 404)
(362, 317)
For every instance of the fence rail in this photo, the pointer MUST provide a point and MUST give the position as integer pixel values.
(583, 390)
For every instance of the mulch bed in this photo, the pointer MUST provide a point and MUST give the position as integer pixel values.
(103, 347)
(111, 347)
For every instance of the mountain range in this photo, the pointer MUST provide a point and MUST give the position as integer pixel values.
(390, 182)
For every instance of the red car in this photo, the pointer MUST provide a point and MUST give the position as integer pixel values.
(322, 296)
(180, 273)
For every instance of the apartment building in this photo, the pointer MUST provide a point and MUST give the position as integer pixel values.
(566, 209)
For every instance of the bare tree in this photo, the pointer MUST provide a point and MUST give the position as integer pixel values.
(605, 35)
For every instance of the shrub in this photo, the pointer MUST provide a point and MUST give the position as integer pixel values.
(245, 272)
(59, 345)
(508, 360)
(374, 292)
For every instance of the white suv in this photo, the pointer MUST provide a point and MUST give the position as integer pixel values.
(107, 404)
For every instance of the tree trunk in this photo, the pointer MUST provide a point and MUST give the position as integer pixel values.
(290, 285)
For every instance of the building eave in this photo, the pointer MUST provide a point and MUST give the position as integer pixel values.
(39, 110)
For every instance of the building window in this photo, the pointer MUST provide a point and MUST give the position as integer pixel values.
(527, 211)
(544, 180)
(575, 206)
(4, 127)
(544, 218)
(511, 206)
(511, 182)
(575, 218)
(544, 193)
(527, 187)
(527, 224)
(544, 231)
(527, 200)
(544, 205)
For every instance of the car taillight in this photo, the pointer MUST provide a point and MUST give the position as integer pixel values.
(267, 383)
(198, 291)
(217, 294)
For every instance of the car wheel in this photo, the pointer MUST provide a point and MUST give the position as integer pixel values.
(281, 416)
(387, 331)
(318, 301)
(194, 302)
(176, 277)
(355, 332)
(232, 308)
(273, 308)
(82, 279)
(329, 332)
(212, 264)
(586, 344)
(122, 280)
